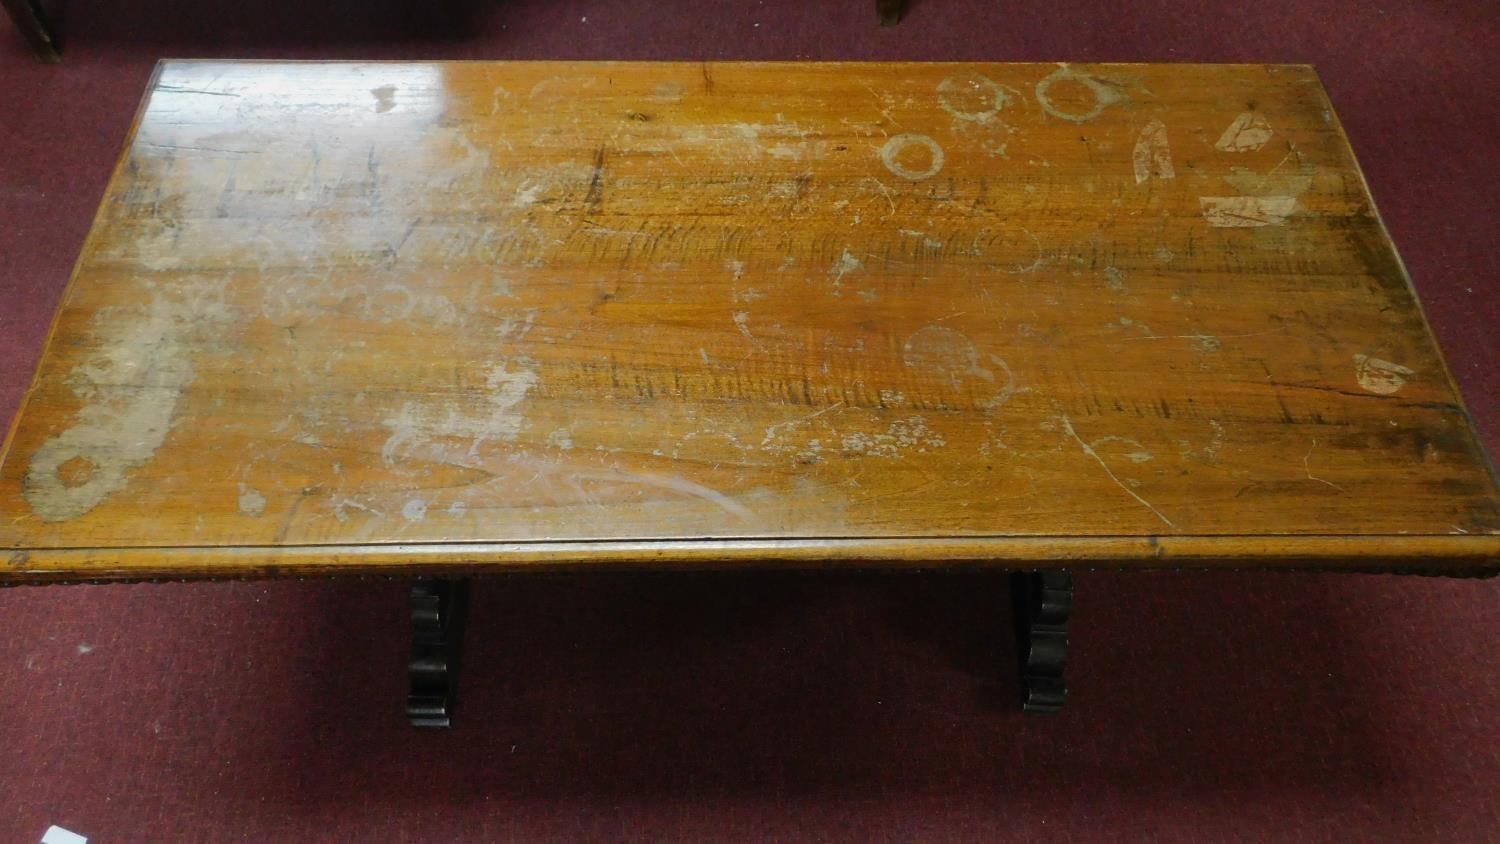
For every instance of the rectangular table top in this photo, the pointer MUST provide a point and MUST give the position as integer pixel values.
(390, 316)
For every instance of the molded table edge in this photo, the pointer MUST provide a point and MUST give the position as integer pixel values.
(1450, 554)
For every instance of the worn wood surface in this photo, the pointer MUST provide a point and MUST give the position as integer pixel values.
(388, 317)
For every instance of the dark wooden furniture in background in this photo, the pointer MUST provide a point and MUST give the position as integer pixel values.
(444, 319)
(32, 23)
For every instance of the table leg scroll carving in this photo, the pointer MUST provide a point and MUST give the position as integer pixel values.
(438, 611)
(1043, 603)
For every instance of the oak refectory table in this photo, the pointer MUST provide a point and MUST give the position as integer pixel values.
(437, 320)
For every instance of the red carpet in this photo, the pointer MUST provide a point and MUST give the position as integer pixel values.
(1206, 707)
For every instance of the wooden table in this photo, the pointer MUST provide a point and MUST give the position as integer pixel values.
(448, 319)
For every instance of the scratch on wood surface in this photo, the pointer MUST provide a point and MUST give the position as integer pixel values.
(884, 191)
(772, 431)
(673, 483)
(595, 197)
(1207, 342)
(290, 518)
(498, 96)
(887, 102)
(339, 505)
(596, 229)
(1247, 211)
(1307, 467)
(177, 89)
(1089, 450)
(1277, 182)
(1140, 455)
(1036, 263)
(176, 147)
(742, 321)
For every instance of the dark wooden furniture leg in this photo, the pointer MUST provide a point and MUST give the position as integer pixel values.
(32, 22)
(438, 610)
(1043, 603)
(889, 11)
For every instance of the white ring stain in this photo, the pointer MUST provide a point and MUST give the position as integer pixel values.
(891, 152)
(1104, 95)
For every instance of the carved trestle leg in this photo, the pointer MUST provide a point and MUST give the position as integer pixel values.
(1043, 603)
(438, 610)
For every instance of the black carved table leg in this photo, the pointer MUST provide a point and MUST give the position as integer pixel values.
(32, 22)
(889, 11)
(438, 608)
(1043, 602)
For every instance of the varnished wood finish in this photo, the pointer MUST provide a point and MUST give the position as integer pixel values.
(400, 318)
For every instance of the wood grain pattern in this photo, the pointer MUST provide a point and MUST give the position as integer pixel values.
(391, 317)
